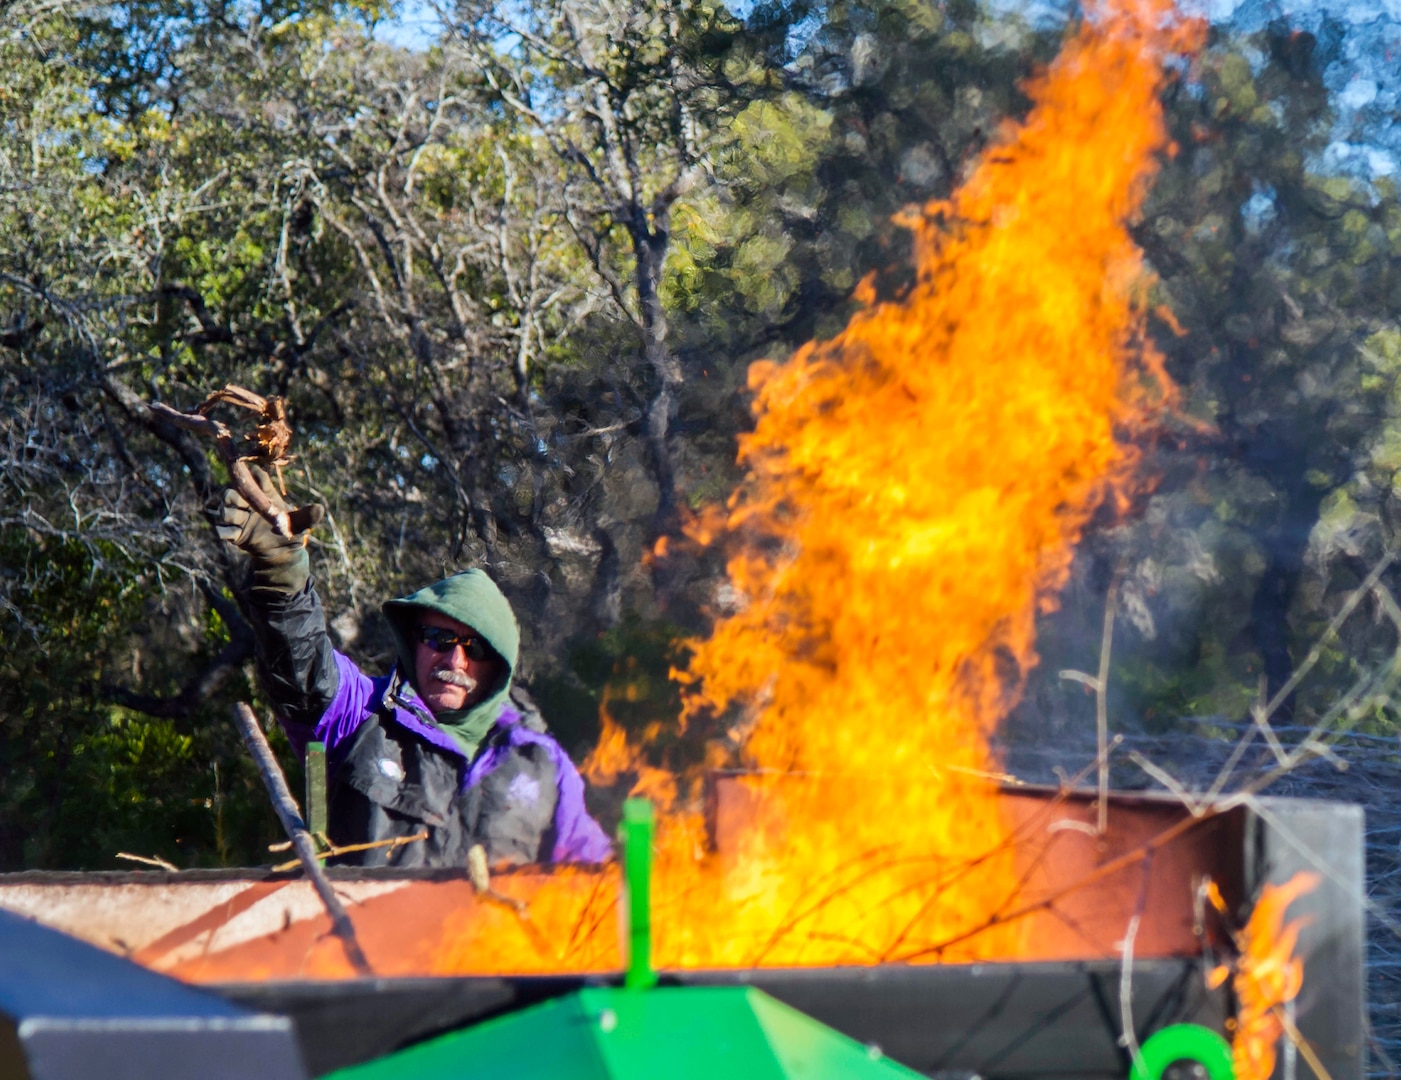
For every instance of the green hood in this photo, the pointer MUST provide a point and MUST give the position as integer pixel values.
(471, 598)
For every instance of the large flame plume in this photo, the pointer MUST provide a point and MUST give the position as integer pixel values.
(915, 488)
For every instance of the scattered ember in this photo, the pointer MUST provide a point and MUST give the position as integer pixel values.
(915, 488)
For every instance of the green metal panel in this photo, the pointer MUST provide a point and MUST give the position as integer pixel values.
(640, 1032)
(701, 1033)
(808, 1049)
(636, 834)
(555, 1039)
(691, 1033)
(316, 788)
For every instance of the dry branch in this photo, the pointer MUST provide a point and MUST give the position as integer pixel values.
(149, 860)
(291, 817)
(331, 851)
(270, 441)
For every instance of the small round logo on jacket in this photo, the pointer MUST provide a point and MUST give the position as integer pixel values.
(524, 789)
(391, 769)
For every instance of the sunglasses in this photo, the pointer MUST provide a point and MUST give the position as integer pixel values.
(440, 640)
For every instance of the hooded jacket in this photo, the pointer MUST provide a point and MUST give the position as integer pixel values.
(486, 775)
(471, 598)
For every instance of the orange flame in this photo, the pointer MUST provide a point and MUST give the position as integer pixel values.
(1268, 976)
(915, 488)
(614, 756)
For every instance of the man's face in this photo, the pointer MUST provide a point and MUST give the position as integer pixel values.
(449, 678)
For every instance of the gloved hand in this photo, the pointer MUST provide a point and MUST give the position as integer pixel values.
(280, 564)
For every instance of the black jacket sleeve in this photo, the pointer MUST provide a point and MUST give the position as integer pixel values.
(296, 661)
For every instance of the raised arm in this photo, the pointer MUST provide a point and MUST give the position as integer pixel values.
(296, 661)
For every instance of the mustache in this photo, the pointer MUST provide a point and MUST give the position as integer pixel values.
(455, 678)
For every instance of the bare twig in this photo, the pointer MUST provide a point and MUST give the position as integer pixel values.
(1349, 606)
(480, 877)
(149, 861)
(1376, 910)
(1099, 683)
(1301, 1044)
(1111, 604)
(291, 817)
(331, 851)
(1027, 828)
(1128, 1040)
(1104, 870)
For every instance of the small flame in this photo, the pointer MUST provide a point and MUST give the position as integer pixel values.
(615, 756)
(915, 488)
(1268, 976)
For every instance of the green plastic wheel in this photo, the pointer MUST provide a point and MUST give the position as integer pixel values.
(1184, 1042)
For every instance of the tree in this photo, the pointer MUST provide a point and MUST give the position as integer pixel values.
(634, 100)
(1271, 495)
(510, 287)
(288, 205)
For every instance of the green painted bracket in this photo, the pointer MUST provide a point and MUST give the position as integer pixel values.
(635, 832)
(316, 788)
(1184, 1042)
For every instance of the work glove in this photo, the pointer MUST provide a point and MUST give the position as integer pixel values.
(280, 563)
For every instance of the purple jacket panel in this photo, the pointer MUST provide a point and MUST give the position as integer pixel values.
(297, 734)
(357, 697)
(355, 693)
(578, 838)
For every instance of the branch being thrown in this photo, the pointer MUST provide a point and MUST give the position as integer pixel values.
(269, 443)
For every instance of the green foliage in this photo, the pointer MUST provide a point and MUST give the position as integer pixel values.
(1269, 506)
(627, 666)
(82, 779)
(441, 260)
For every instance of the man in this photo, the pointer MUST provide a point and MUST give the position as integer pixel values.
(436, 746)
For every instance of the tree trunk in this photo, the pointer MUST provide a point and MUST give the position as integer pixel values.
(650, 247)
(1282, 458)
